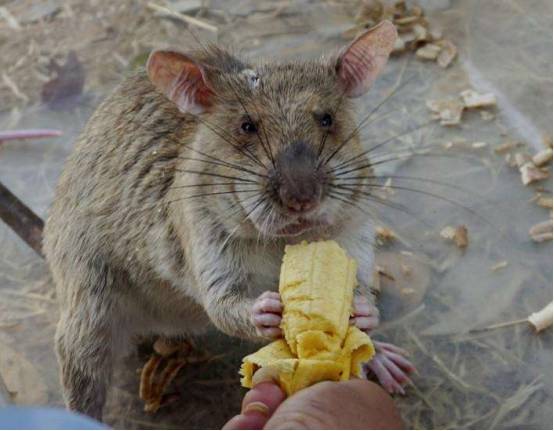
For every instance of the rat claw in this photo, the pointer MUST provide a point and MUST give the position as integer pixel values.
(390, 367)
(381, 345)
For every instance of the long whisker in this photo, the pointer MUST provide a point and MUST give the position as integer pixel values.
(393, 138)
(373, 198)
(210, 174)
(225, 164)
(366, 118)
(347, 181)
(426, 193)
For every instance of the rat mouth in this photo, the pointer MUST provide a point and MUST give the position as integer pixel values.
(300, 226)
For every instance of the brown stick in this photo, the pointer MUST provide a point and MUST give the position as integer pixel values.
(21, 219)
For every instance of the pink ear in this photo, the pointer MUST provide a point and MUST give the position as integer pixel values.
(180, 79)
(364, 59)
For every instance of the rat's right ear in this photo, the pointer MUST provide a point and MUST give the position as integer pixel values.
(363, 60)
(181, 80)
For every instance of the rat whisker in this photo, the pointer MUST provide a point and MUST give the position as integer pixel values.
(386, 141)
(217, 159)
(404, 155)
(224, 164)
(242, 149)
(347, 181)
(426, 193)
(367, 117)
(373, 198)
(202, 195)
(185, 186)
(211, 174)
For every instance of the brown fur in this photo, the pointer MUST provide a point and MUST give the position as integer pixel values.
(134, 250)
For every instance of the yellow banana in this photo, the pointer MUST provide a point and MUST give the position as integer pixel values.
(316, 284)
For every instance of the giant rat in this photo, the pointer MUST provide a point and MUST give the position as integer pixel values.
(174, 208)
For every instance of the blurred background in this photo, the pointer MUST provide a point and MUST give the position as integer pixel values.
(59, 59)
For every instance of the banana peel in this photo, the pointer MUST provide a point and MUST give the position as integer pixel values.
(316, 285)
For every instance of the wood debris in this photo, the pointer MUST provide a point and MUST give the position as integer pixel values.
(448, 232)
(384, 235)
(486, 115)
(530, 173)
(415, 33)
(547, 141)
(447, 54)
(458, 235)
(542, 319)
(185, 18)
(544, 201)
(499, 265)
(478, 145)
(472, 99)
(448, 111)
(428, 52)
(541, 231)
(542, 157)
(506, 146)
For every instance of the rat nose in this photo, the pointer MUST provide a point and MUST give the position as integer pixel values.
(299, 186)
(299, 199)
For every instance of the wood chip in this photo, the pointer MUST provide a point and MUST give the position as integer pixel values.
(547, 141)
(472, 99)
(448, 232)
(384, 235)
(541, 231)
(486, 115)
(522, 159)
(460, 237)
(530, 174)
(448, 54)
(541, 319)
(449, 111)
(478, 145)
(499, 265)
(456, 234)
(545, 202)
(505, 147)
(542, 157)
(428, 52)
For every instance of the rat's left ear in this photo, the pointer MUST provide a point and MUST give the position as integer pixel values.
(363, 60)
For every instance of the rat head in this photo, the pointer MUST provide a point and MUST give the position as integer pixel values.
(271, 138)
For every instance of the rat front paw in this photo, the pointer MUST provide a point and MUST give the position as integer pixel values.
(266, 315)
(365, 315)
(390, 367)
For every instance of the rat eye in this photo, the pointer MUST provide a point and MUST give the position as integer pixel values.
(249, 127)
(326, 120)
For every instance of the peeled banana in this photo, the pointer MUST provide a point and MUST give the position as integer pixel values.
(316, 285)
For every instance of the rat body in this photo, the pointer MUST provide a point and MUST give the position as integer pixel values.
(173, 210)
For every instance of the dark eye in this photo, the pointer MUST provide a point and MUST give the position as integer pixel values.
(249, 127)
(326, 120)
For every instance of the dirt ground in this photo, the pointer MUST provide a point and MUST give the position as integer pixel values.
(60, 58)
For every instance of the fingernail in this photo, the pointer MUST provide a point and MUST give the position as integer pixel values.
(256, 406)
(265, 374)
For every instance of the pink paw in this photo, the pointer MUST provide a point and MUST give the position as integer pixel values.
(390, 367)
(266, 314)
(366, 315)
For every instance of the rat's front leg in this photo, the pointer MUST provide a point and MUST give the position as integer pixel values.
(266, 314)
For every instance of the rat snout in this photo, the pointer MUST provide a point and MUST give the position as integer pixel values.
(299, 186)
